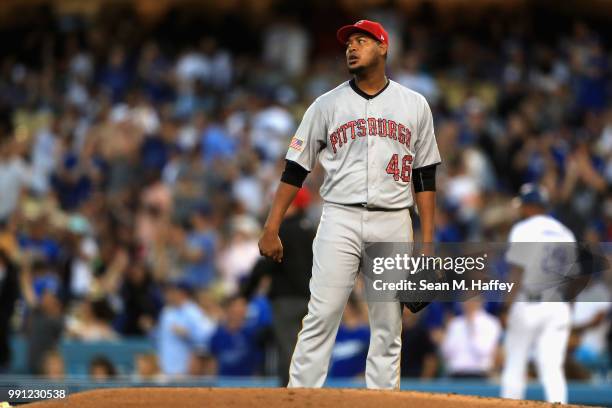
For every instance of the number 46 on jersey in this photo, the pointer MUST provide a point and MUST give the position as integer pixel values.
(402, 173)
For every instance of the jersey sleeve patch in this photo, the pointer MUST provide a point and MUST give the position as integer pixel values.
(296, 144)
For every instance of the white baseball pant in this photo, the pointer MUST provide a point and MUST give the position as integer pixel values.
(543, 328)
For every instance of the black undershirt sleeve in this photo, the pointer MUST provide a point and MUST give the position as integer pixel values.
(424, 178)
(294, 174)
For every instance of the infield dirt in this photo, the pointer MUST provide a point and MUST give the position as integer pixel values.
(275, 397)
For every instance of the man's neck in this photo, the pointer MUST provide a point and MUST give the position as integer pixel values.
(532, 213)
(371, 83)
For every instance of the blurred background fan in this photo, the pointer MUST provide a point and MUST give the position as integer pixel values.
(141, 140)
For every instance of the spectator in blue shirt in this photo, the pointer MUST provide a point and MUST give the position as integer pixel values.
(199, 252)
(115, 76)
(352, 342)
(72, 182)
(236, 345)
(154, 153)
(259, 311)
(38, 241)
(217, 144)
(448, 228)
(184, 330)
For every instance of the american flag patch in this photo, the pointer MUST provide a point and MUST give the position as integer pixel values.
(296, 144)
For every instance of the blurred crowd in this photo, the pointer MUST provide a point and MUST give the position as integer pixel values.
(135, 175)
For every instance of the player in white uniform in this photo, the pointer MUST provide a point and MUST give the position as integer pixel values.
(375, 140)
(543, 255)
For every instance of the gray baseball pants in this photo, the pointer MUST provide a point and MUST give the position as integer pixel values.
(337, 256)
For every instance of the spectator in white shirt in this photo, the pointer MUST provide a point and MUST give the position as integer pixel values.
(237, 259)
(15, 176)
(470, 342)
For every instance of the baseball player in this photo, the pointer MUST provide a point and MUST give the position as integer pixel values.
(540, 251)
(375, 140)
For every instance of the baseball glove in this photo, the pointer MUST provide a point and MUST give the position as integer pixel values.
(415, 307)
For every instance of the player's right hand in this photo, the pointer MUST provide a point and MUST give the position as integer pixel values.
(270, 246)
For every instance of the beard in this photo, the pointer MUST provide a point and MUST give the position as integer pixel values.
(356, 70)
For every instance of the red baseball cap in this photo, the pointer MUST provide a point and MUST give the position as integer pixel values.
(373, 28)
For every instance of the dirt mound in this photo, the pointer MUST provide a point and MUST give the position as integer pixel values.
(273, 397)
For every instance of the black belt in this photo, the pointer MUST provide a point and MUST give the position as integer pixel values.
(365, 207)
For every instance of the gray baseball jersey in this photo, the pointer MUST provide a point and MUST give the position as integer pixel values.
(367, 144)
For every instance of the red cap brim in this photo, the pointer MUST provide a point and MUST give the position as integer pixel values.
(345, 32)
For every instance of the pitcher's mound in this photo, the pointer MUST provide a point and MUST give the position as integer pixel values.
(273, 397)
